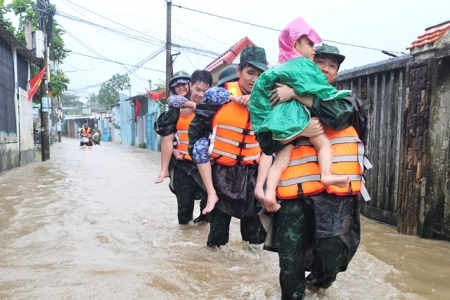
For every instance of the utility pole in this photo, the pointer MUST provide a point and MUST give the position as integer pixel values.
(150, 85)
(45, 141)
(169, 69)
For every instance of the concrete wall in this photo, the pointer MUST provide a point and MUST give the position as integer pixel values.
(437, 209)
(9, 156)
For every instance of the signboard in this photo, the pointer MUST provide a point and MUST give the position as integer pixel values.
(44, 104)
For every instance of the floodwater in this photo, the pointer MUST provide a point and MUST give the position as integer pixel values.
(90, 224)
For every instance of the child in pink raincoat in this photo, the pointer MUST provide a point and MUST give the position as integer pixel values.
(287, 120)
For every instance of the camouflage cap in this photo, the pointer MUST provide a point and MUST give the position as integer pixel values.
(227, 74)
(329, 50)
(254, 55)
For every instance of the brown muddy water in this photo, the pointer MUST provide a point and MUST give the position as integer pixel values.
(90, 224)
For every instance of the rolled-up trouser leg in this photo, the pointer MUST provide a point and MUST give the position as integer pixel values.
(290, 239)
(219, 228)
(185, 188)
(251, 230)
(329, 255)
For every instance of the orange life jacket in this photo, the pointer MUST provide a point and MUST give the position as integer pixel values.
(181, 136)
(302, 177)
(232, 140)
(84, 131)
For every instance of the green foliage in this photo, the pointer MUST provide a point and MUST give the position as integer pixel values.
(93, 99)
(58, 51)
(72, 103)
(116, 126)
(142, 145)
(109, 92)
(26, 10)
(57, 85)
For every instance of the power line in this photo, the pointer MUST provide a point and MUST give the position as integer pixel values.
(116, 62)
(273, 29)
(135, 38)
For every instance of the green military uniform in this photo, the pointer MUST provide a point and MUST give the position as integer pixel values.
(326, 223)
(185, 188)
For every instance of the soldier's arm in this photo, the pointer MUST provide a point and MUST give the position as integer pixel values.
(167, 122)
(335, 114)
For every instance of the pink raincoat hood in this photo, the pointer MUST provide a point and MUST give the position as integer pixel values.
(292, 32)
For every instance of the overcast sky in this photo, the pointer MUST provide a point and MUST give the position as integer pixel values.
(383, 24)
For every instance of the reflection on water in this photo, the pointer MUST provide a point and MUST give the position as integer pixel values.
(90, 223)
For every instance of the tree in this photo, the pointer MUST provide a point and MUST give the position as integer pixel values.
(93, 99)
(57, 85)
(27, 11)
(109, 92)
(71, 100)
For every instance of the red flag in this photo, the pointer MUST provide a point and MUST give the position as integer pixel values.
(35, 83)
(154, 96)
(137, 108)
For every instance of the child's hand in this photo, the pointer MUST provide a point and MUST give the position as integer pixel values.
(243, 100)
(271, 204)
(281, 94)
(232, 98)
(191, 104)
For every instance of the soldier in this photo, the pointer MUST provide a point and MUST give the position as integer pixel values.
(328, 219)
(172, 123)
(235, 155)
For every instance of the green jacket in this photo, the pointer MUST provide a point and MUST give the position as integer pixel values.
(333, 114)
(287, 119)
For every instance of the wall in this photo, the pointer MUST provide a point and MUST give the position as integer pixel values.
(436, 212)
(9, 156)
(382, 88)
(26, 128)
(127, 124)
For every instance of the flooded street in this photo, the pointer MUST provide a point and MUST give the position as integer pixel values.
(90, 224)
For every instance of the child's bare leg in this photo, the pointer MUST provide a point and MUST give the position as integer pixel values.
(206, 174)
(325, 157)
(280, 164)
(166, 154)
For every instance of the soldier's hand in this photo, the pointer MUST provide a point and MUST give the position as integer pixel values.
(313, 129)
(281, 93)
(177, 154)
(184, 112)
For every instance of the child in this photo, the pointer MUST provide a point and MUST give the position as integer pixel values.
(179, 85)
(215, 96)
(287, 120)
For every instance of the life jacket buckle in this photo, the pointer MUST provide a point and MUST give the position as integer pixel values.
(246, 131)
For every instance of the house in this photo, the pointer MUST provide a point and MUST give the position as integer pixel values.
(127, 121)
(16, 112)
(115, 123)
(231, 56)
(146, 111)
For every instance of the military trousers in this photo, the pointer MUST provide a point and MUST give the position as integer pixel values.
(291, 240)
(219, 230)
(329, 252)
(186, 191)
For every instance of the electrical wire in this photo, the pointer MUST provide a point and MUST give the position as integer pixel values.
(116, 62)
(273, 29)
